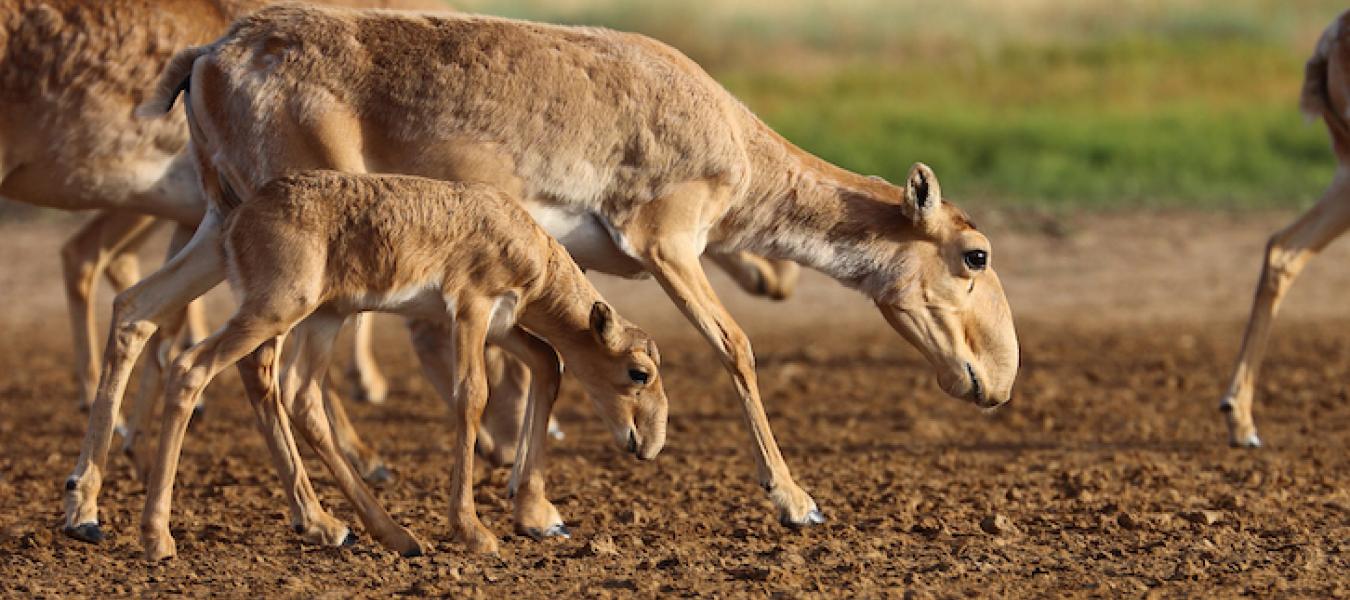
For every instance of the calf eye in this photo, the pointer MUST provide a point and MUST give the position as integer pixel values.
(977, 260)
(638, 376)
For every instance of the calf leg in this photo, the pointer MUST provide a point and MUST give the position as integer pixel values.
(245, 332)
(1288, 252)
(308, 517)
(452, 358)
(366, 460)
(318, 334)
(509, 382)
(363, 457)
(535, 515)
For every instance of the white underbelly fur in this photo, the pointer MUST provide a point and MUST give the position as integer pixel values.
(592, 244)
(419, 301)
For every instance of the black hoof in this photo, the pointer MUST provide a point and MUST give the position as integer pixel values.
(380, 475)
(413, 553)
(558, 530)
(815, 517)
(86, 532)
(349, 541)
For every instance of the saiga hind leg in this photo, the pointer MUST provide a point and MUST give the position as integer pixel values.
(164, 347)
(94, 249)
(368, 383)
(1288, 251)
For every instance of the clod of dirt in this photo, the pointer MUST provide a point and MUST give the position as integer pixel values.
(1127, 520)
(998, 525)
(1202, 517)
(630, 517)
(929, 527)
(600, 545)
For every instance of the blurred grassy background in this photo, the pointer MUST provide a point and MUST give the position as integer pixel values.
(1051, 104)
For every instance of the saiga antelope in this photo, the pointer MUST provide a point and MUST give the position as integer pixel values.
(621, 148)
(1326, 94)
(468, 265)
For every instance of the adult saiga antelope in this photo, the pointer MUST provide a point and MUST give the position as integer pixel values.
(1326, 94)
(463, 260)
(621, 147)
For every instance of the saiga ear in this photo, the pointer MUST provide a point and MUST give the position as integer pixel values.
(923, 196)
(605, 328)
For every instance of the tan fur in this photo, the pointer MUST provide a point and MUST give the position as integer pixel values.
(1325, 94)
(86, 130)
(71, 74)
(319, 246)
(599, 129)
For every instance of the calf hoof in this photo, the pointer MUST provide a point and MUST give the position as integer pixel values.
(412, 552)
(556, 530)
(380, 476)
(1249, 441)
(89, 533)
(348, 541)
(813, 517)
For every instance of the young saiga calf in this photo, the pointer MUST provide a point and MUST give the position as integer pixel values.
(466, 265)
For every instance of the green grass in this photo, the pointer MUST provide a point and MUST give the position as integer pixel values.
(1060, 104)
(1097, 128)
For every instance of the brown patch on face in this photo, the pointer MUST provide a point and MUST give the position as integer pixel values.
(961, 219)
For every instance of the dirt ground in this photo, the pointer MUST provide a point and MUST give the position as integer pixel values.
(1108, 475)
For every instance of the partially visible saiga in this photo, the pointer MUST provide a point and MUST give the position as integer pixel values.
(71, 75)
(1326, 95)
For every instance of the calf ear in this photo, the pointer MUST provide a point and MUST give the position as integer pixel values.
(605, 327)
(923, 196)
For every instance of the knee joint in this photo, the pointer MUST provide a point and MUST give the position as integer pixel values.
(184, 378)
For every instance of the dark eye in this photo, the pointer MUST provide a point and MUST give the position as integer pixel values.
(638, 376)
(977, 260)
